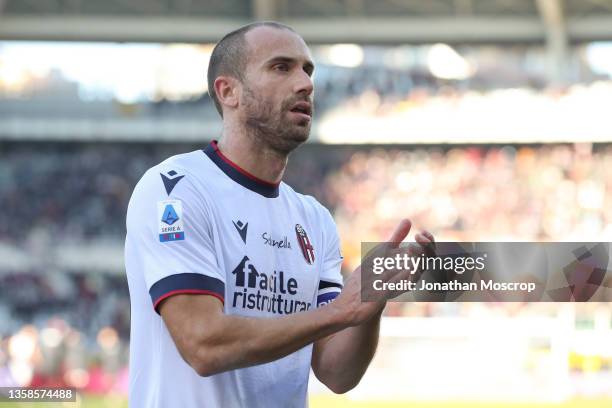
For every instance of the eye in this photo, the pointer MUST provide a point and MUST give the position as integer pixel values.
(281, 67)
(309, 69)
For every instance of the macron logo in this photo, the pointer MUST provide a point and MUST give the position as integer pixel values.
(242, 229)
(170, 182)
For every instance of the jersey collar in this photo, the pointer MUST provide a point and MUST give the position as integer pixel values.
(238, 174)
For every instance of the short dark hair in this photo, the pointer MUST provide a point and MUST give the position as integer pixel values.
(229, 56)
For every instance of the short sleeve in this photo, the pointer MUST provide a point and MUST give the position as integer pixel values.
(169, 238)
(330, 281)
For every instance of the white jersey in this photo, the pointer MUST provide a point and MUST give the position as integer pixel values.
(199, 224)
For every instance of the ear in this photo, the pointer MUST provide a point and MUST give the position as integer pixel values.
(226, 89)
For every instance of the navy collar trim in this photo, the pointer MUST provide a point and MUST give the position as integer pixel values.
(238, 174)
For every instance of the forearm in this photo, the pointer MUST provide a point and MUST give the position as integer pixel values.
(235, 342)
(341, 360)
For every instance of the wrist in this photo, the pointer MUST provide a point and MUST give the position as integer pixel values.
(374, 319)
(339, 316)
(378, 315)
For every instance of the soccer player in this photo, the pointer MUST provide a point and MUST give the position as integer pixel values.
(234, 277)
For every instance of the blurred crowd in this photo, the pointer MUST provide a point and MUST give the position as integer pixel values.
(71, 192)
(71, 326)
(549, 192)
(525, 193)
(64, 330)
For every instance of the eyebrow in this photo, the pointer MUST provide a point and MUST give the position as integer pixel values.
(308, 65)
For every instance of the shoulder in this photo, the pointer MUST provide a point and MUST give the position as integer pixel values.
(173, 175)
(176, 178)
(312, 207)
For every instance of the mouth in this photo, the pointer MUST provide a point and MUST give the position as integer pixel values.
(302, 108)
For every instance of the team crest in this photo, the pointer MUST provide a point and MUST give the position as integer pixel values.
(305, 244)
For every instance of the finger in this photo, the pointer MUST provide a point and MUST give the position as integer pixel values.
(425, 239)
(422, 239)
(428, 235)
(401, 231)
(401, 276)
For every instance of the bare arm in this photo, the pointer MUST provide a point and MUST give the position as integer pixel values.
(212, 342)
(341, 359)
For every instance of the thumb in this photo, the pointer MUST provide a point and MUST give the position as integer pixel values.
(401, 231)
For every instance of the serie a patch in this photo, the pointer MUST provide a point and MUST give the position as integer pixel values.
(170, 216)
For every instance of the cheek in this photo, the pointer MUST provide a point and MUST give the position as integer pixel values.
(257, 97)
(262, 104)
(271, 102)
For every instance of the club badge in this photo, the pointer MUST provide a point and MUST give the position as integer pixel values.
(305, 244)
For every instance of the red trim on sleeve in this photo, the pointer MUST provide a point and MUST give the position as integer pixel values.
(188, 291)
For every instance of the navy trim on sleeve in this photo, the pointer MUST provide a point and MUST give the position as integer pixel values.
(193, 283)
(328, 284)
(326, 298)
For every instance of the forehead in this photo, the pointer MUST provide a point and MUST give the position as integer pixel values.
(266, 42)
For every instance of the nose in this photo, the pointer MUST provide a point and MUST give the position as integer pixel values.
(303, 83)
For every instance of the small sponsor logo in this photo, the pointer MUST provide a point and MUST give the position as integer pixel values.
(280, 244)
(305, 244)
(170, 180)
(242, 229)
(170, 216)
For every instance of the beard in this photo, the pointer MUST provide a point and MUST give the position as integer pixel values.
(273, 128)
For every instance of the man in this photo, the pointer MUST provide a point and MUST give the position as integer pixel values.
(231, 273)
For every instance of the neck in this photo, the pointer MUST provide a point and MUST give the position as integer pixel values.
(253, 155)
